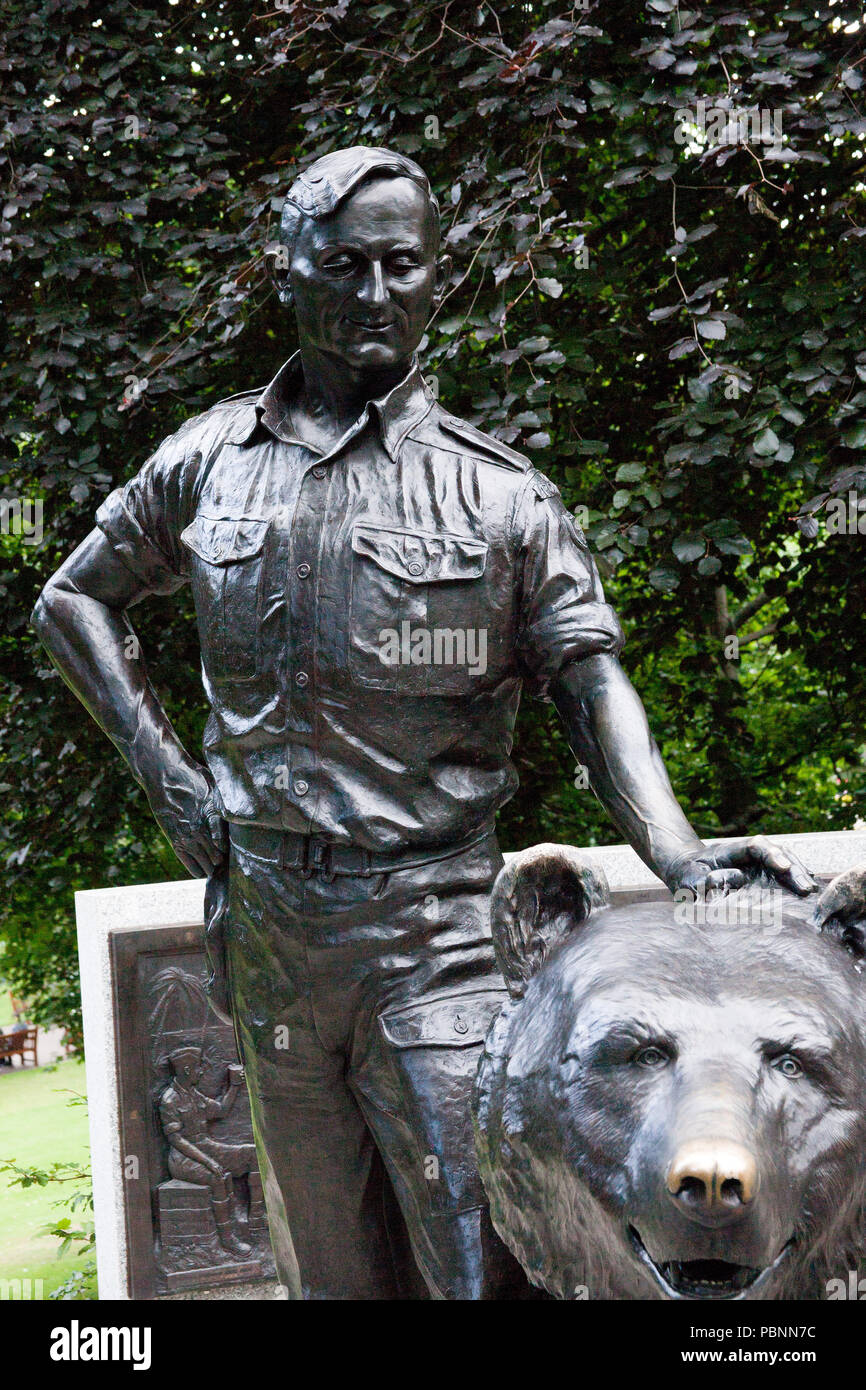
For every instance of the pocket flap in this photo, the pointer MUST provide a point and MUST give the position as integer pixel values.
(420, 557)
(224, 540)
(456, 1020)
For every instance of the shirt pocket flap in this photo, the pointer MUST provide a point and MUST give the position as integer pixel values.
(458, 1020)
(421, 557)
(225, 540)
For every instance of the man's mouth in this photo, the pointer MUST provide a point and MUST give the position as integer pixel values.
(370, 327)
(704, 1278)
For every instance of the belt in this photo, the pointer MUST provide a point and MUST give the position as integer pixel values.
(309, 853)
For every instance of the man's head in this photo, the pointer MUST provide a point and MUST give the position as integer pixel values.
(361, 229)
(186, 1064)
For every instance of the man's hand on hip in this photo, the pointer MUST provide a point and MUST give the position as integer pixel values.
(185, 808)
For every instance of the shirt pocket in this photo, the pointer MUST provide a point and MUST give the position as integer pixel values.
(227, 563)
(417, 610)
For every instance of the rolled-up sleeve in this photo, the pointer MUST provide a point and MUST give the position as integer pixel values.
(143, 519)
(563, 616)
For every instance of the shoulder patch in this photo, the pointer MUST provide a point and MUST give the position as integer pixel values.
(485, 443)
(542, 486)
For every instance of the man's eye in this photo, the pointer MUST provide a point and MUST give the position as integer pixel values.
(651, 1057)
(788, 1065)
(402, 265)
(339, 264)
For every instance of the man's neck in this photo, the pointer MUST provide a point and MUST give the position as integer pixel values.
(332, 398)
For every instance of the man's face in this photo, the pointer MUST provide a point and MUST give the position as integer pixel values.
(364, 279)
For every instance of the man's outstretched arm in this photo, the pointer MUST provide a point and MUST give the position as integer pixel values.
(81, 621)
(609, 734)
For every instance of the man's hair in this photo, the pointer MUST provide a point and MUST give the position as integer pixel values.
(329, 181)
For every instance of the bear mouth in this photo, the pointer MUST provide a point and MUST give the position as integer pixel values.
(697, 1279)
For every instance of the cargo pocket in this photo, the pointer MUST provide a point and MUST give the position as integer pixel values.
(227, 564)
(392, 645)
(432, 1048)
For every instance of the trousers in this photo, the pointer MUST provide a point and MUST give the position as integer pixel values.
(360, 1007)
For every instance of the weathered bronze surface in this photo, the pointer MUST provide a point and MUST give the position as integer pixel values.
(672, 1104)
(375, 582)
(186, 1228)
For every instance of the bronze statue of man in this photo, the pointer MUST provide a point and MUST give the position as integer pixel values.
(350, 544)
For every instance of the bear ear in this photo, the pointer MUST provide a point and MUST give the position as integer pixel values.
(841, 911)
(538, 898)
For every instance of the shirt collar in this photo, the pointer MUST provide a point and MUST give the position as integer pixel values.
(396, 413)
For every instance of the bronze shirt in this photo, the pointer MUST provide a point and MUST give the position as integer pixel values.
(367, 617)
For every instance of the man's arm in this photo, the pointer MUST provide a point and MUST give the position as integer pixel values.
(81, 621)
(609, 734)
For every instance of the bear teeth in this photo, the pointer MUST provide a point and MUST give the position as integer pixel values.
(708, 1276)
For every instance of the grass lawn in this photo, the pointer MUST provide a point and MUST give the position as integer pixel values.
(37, 1127)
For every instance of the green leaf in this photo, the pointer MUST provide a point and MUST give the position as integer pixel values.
(765, 443)
(550, 286)
(664, 579)
(688, 547)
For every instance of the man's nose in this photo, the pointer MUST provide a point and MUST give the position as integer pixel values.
(372, 289)
(713, 1178)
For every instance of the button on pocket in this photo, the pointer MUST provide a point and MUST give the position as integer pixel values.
(227, 585)
(431, 1052)
(395, 574)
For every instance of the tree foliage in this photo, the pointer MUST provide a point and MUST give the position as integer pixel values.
(661, 301)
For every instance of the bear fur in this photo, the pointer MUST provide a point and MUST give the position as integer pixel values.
(672, 1103)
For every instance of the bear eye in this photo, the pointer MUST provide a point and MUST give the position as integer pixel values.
(788, 1065)
(651, 1056)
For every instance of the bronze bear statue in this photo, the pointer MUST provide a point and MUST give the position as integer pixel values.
(670, 1105)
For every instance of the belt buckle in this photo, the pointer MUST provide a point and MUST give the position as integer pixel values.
(305, 868)
(320, 858)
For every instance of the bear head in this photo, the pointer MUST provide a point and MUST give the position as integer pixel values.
(672, 1103)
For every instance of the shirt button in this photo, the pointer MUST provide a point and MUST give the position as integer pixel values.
(301, 678)
(415, 568)
(301, 787)
(319, 472)
(303, 571)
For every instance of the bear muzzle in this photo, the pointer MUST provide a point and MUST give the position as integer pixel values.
(713, 1181)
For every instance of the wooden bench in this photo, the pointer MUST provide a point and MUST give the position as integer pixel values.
(22, 1044)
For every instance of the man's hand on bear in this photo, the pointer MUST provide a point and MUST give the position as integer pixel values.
(718, 868)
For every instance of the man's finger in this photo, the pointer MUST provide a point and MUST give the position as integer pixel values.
(785, 865)
(207, 853)
(191, 865)
(722, 881)
(218, 831)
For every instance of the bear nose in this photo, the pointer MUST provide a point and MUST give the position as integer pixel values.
(713, 1177)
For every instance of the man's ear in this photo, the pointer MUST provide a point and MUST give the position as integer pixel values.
(538, 898)
(443, 270)
(279, 258)
(841, 910)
